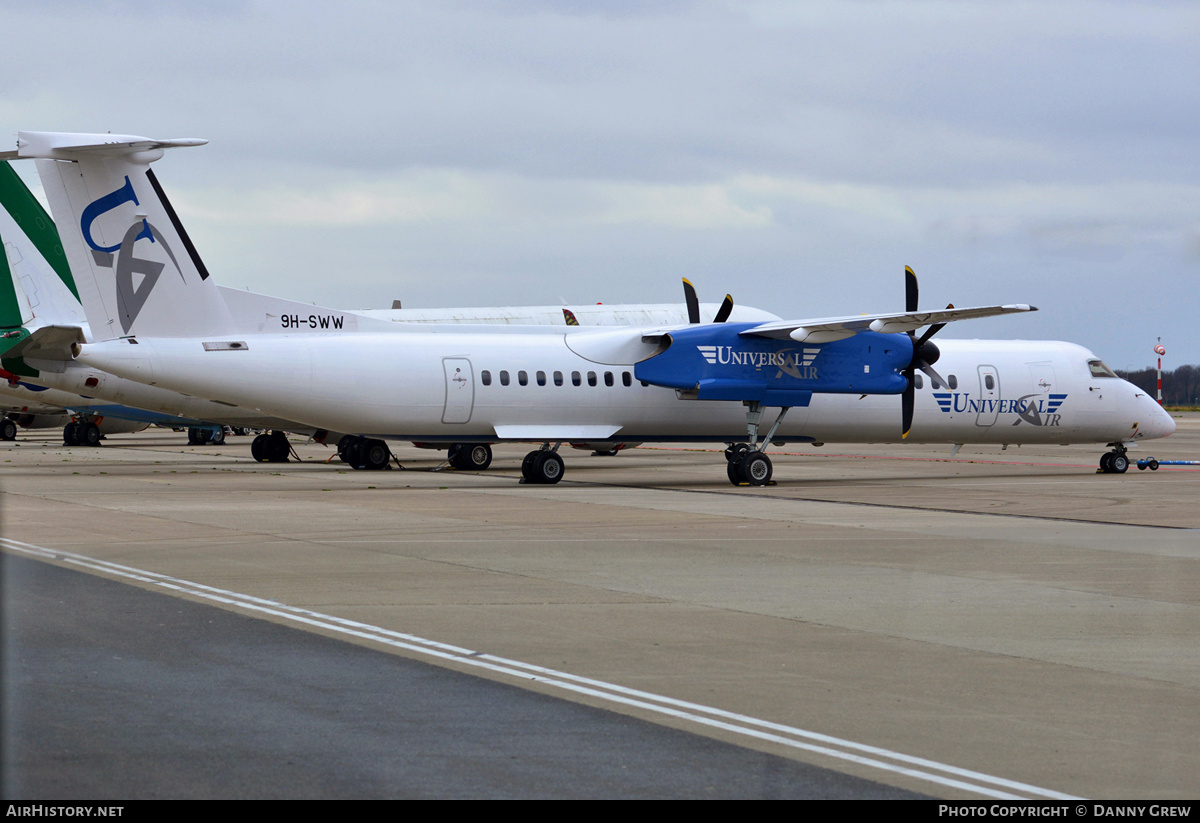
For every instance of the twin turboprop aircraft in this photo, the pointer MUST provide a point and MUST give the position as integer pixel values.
(831, 379)
(37, 289)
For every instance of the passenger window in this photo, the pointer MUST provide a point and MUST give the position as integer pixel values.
(591, 378)
(486, 377)
(523, 378)
(576, 379)
(626, 379)
(934, 384)
(608, 378)
(918, 381)
(503, 378)
(541, 378)
(989, 382)
(558, 378)
(953, 381)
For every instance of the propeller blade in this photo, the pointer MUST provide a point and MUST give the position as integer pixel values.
(725, 310)
(693, 302)
(911, 292)
(933, 375)
(907, 401)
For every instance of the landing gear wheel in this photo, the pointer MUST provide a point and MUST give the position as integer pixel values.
(733, 469)
(217, 438)
(375, 455)
(8, 429)
(755, 468)
(276, 447)
(1118, 464)
(195, 437)
(735, 451)
(477, 456)
(89, 434)
(527, 467)
(258, 448)
(343, 447)
(71, 434)
(547, 468)
(1106, 462)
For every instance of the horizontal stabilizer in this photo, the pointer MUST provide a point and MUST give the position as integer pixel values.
(828, 329)
(65, 146)
(49, 343)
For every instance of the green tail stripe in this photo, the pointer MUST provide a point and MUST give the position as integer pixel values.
(10, 307)
(33, 220)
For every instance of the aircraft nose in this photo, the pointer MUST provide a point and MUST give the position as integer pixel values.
(1156, 421)
(1163, 423)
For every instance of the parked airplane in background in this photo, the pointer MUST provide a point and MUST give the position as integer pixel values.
(832, 379)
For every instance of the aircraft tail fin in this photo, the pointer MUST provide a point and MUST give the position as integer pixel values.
(43, 288)
(136, 268)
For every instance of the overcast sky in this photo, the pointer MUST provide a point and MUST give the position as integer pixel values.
(798, 155)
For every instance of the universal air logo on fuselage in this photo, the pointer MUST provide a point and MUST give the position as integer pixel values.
(130, 298)
(798, 364)
(1040, 412)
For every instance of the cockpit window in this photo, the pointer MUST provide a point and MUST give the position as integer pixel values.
(1099, 369)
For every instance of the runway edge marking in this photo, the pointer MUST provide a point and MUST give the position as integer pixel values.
(789, 736)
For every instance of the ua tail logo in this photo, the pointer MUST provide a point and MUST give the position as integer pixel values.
(130, 298)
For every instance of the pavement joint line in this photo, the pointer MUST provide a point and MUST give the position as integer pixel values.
(792, 737)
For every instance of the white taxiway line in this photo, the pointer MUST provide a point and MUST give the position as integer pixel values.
(846, 750)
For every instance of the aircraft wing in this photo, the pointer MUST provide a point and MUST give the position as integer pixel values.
(828, 329)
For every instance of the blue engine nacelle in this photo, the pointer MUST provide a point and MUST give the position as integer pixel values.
(717, 364)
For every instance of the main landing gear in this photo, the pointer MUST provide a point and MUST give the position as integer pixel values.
(542, 466)
(747, 463)
(205, 437)
(364, 453)
(470, 456)
(8, 429)
(81, 433)
(1115, 461)
(270, 448)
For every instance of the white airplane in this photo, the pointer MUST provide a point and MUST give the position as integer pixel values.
(832, 379)
(105, 404)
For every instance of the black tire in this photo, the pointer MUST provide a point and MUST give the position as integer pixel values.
(343, 445)
(527, 467)
(194, 437)
(454, 455)
(258, 448)
(548, 468)
(375, 455)
(755, 468)
(1153, 464)
(217, 438)
(8, 429)
(277, 447)
(1119, 464)
(475, 456)
(1106, 462)
(89, 434)
(71, 434)
(733, 469)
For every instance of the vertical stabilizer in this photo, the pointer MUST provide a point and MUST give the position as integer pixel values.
(135, 267)
(33, 261)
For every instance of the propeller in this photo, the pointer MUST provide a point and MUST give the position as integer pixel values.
(925, 352)
(693, 304)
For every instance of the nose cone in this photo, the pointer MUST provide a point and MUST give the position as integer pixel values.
(1153, 420)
